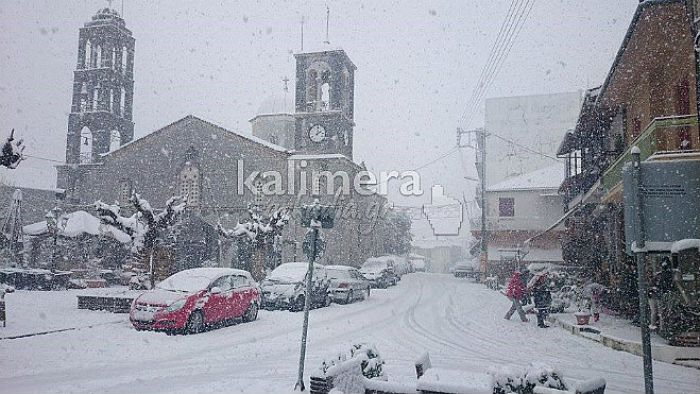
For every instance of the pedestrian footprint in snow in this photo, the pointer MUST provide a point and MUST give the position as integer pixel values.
(515, 293)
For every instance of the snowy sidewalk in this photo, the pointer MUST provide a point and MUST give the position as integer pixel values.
(40, 312)
(620, 334)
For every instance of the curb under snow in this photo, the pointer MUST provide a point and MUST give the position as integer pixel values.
(679, 355)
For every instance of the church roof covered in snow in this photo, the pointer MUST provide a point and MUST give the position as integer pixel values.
(544, 178)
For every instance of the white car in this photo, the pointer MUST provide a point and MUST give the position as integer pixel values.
(347, 284)
(284, 287)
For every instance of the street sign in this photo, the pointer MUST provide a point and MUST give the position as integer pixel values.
(670, 195)
(323, 213)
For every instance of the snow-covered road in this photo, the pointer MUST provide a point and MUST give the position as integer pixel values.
(460, 323)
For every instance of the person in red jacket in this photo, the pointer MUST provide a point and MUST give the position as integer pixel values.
(516, 292)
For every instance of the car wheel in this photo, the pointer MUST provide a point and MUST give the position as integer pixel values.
(252, 313)
(350, 297)
(195, 324)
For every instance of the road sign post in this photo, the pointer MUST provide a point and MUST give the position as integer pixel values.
(314, 217)
(640, 240)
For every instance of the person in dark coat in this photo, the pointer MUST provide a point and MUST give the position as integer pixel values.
(543, 298)
(515, 293)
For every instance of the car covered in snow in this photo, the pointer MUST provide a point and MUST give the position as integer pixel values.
(418, 262)
(284, 287)
(380, 271)
(190, 300)
(467, 269)
(346, 284)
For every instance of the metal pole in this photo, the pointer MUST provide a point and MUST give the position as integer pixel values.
(691, 9)
(484, 231)
(307, 303)
(641, 272)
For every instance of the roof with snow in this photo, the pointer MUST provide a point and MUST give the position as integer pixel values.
(197, 119)
(78, 223)
(544, 178)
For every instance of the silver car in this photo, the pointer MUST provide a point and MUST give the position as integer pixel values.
(346, 284)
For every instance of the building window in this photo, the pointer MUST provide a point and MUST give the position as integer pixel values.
(124, 192)
(506, 207)
(115, 140)
(189, 188)
(85, 145)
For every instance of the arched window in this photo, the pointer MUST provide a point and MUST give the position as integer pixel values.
(189, 184)
(113, 53)
(325, 91)
(95, 99)
(87, 61)
(122, 102)
(110, 100)
(98, 56)
(125, 54)
(312, 86)
(85, 145)
(83, 98)
(115, 140)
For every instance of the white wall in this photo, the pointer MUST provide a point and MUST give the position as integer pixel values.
(538, 122)
(535, 210)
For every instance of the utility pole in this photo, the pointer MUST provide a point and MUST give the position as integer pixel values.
(480, 148)
(692, 10)
(640, 243)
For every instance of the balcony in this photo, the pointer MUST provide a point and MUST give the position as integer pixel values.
(661, 134)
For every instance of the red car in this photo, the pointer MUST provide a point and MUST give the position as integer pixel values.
(189, 300)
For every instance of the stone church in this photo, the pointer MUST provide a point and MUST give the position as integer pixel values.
(214, 167)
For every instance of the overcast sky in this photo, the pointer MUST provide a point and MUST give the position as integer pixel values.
(418, 62)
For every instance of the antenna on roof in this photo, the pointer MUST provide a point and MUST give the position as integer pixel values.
(302, 33)
(328, 17)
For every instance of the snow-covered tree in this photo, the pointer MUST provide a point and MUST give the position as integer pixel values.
(146, 227)
(11, 153)
(397, 230)
(258, 232)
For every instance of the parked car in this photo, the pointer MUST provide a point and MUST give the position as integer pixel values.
(190, 300)
(283, 288)
(380, 272)
(467, 269)
(418, 262)
(346, 284)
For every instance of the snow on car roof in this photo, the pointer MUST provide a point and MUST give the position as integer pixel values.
(340, 267)
(213, 273)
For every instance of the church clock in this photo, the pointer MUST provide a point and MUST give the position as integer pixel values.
(317, 133)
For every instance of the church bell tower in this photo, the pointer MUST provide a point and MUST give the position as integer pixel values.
(324, 104)
(100, 119)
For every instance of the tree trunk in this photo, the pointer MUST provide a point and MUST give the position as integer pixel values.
(257, 269)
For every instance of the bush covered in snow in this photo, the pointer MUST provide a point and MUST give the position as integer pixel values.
(523, 381)
(371, 362)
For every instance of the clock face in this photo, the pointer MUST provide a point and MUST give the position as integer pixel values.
(317, 133)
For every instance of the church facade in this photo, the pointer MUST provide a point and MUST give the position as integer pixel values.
(221, 173)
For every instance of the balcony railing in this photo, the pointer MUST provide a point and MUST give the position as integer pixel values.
(657, 136)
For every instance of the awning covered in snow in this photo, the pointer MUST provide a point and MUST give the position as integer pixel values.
(75, 224)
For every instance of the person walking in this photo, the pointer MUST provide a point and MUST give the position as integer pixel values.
(515, 293)
(542, 297)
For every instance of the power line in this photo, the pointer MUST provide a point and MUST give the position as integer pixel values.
(515, 20)
(444, 155)
(523, 147)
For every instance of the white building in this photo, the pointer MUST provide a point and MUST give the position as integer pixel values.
(520, 208)
(537, 123)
